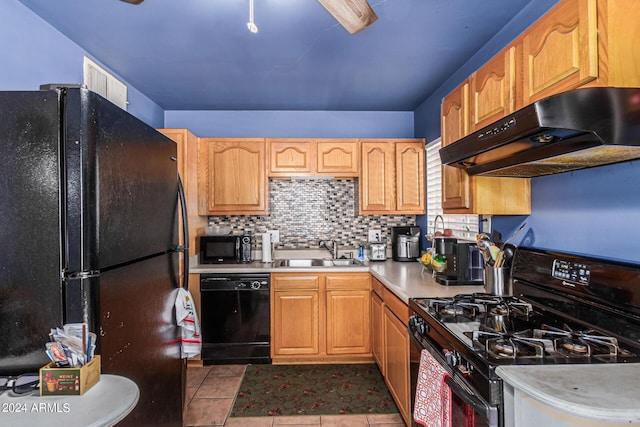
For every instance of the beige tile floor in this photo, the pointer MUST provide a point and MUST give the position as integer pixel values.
(211, 391)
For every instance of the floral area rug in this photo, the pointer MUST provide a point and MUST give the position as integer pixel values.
(271, 390)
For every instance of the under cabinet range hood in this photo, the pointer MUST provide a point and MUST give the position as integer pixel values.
(573, 130)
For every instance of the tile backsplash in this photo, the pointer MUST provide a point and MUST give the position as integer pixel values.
(306, 211)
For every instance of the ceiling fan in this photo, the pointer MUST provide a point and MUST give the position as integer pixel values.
(353, 15)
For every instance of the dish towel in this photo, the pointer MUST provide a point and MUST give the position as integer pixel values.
(433, 396)
(187, 320)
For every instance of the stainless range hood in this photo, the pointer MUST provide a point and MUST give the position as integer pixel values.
(569, 131)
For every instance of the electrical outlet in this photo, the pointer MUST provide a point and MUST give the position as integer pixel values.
(275, 235)
(375, 236)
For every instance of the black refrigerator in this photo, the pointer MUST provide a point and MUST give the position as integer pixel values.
(89, 233)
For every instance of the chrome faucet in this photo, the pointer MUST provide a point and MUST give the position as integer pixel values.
(332, 246)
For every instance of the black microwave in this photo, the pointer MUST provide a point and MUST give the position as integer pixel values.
(225, 249)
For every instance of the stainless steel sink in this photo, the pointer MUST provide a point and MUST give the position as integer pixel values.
(316, 262)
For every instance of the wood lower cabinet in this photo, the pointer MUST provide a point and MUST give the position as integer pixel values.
(232, 176)
(377, 329)
(295, 314)
(320, 318)
(396, 362)
(390, 337)
(348, 313)
(392, 177)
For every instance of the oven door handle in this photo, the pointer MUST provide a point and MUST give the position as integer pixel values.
(489, 412)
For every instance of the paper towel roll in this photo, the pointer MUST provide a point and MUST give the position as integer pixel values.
(266, 247)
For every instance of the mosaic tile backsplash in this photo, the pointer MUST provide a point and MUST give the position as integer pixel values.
(307, 211)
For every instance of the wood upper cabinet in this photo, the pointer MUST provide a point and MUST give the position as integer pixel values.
(338, 157)
(312, 157)
(456, 184)
(464, 194)
(493, 90)
(320, 316)
(392, 177)
(377, 177)
(232, 176)
(560, 51)
(291, 157)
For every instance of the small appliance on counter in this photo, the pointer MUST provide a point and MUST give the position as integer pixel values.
(377, 251)
(405, 243)
(225, 249)
(464, 262)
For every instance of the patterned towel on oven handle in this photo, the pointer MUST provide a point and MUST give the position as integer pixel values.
(433, 396)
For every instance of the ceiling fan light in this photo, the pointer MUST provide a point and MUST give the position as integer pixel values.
(353, 15)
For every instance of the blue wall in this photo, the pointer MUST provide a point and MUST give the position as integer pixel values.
(294, 124)
(33, 53)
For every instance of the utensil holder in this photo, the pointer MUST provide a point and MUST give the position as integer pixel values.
(497, 281)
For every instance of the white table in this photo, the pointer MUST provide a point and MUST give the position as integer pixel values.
(103, 405)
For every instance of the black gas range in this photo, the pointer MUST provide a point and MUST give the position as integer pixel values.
(565, 309)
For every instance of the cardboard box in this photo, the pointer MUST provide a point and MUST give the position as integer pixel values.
(56, 381)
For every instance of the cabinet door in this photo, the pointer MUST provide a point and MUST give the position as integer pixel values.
(296, 323)
(377, 178)
(410, 177)
(232, 176)
(493, 90)
(377, 331)
(348, 322)
(456, 184)
(290, 157)
(337, 157)
(396, 361)
(560, 51)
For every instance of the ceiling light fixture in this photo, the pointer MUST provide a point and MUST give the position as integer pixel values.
(251, 25)
(353, 15)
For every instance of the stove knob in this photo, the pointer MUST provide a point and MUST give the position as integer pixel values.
(255, 284)
(451, 357)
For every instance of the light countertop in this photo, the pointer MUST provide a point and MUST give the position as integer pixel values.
(405, 279)
(603, 392)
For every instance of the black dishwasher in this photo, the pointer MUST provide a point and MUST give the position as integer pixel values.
(235, 318)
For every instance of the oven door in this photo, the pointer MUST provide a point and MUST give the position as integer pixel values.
(468, 409)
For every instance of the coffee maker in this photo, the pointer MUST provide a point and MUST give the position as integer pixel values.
(405, 243)
(465, 265)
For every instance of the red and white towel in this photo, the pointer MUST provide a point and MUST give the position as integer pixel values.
(187, 321)
(433, 396)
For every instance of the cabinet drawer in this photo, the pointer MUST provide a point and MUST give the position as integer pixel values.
(378, 287)
(395, 304)
(295, 281)
(348, 281)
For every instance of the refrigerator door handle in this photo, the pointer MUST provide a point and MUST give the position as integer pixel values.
(185, 234)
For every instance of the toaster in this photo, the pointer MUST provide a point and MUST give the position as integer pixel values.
(378, 251)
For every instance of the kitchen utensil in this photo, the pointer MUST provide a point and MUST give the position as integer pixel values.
(217, 230)
(515, 234)
(496, 236)
(484, 244)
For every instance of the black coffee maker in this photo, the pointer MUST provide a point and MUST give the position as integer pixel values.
(464, 262)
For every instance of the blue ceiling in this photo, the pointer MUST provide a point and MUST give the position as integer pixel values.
(199, 54)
